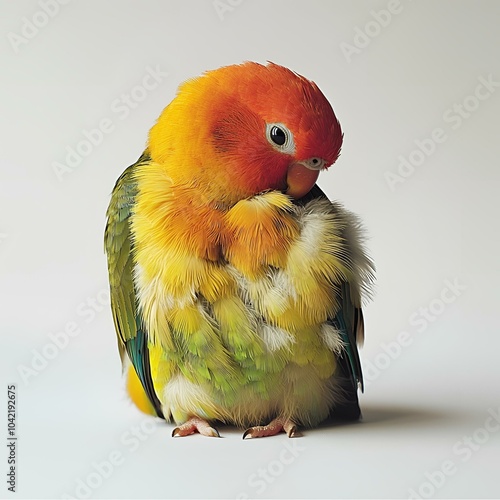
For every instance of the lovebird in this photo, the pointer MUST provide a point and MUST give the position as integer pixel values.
(236, 285)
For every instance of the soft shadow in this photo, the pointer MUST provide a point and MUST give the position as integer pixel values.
(403, 414)
(393, 415)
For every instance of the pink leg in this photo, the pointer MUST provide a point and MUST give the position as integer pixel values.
(195, 424)
(275, 427)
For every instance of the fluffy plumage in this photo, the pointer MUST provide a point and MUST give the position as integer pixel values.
(232, 300)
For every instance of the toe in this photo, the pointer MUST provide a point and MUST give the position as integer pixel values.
(194, 425)
(274, 427)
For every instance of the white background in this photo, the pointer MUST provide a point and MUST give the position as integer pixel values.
(430, 403)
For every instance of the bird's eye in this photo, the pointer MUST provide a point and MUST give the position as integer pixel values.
(277, 135)
(280, 137)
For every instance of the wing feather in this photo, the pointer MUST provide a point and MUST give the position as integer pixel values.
(131, 335)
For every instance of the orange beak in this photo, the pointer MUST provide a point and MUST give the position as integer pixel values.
(302, 176)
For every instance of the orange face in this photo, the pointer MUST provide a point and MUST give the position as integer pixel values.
(245, 129)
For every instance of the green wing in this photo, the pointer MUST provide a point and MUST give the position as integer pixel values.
(349, 321)
(131, 335)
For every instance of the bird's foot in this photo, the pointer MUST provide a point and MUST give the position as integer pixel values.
(274, 427)
(195, 424)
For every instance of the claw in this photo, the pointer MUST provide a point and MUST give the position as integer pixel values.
(247, 432)
(195, 424)
(274, 427)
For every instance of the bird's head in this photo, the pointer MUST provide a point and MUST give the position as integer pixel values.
(241, 130)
